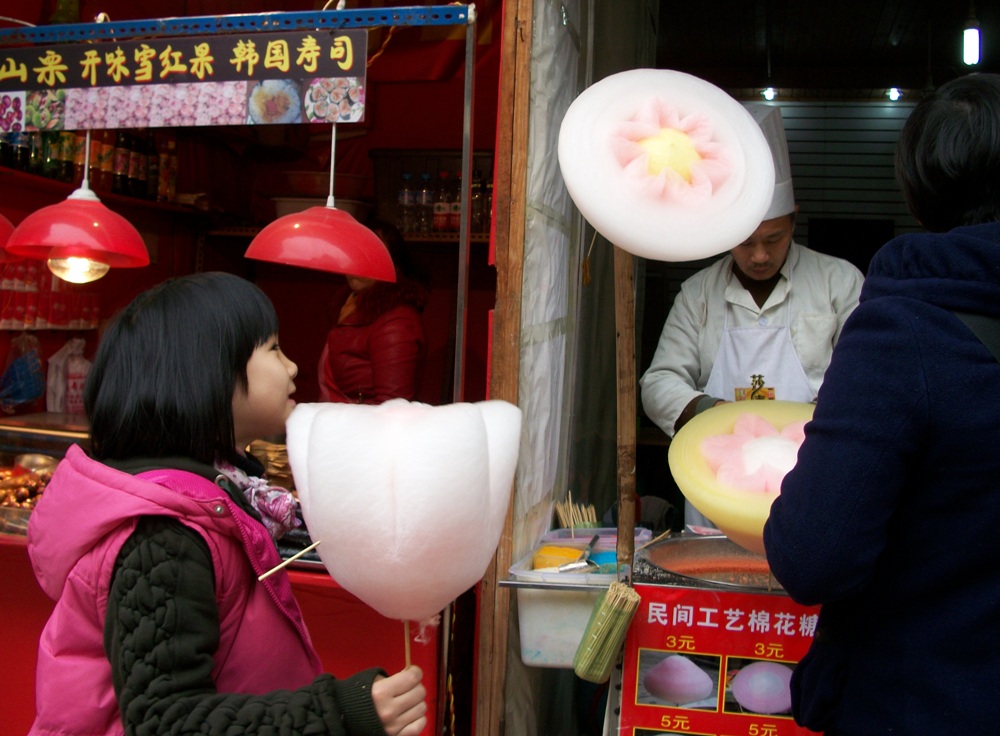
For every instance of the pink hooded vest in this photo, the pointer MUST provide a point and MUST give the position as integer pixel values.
(85, 515)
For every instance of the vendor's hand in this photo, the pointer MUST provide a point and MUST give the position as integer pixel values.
(399, 702)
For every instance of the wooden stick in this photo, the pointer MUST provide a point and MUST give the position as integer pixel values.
(406, 637)
(625, 365)
(293, 558)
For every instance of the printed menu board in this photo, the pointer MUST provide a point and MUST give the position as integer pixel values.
(704, 661)
(253, 79)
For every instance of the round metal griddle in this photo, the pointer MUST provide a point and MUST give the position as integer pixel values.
(704, 562)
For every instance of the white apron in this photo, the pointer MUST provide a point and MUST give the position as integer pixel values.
(766, 350)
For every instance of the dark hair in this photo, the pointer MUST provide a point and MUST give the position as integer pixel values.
(163, 379)
(395, 243)
(948, 158)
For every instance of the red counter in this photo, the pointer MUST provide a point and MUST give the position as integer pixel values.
(348, 635)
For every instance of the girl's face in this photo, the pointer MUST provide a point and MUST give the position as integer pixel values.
(262, 409)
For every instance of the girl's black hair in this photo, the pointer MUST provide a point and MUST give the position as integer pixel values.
(948, 157)
(166, 369)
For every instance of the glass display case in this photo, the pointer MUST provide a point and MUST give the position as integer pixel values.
(31, 445)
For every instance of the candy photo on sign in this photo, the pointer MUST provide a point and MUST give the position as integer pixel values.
(665, 165)
(408, 499)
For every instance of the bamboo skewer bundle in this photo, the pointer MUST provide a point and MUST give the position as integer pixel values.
(605, 633)
(574, 515)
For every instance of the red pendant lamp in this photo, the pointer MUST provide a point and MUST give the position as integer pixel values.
(80, 238)
(324, 239)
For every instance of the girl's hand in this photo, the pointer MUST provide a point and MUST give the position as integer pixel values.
(399, 702)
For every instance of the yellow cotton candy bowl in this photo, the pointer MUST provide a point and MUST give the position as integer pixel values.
(738, 513)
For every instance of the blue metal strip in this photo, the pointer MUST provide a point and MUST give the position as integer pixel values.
(415, 15)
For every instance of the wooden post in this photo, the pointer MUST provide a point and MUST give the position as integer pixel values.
(510, 178)
(625, 371)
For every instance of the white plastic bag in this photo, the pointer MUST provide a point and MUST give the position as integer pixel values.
(57, 386)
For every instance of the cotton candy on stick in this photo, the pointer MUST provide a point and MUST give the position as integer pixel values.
(409, 499)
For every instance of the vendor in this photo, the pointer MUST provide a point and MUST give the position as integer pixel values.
(375, 350)
(761, 322)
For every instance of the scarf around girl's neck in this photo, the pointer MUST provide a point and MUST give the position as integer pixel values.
(276, 505)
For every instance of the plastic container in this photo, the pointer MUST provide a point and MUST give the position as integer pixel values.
(552, 621)
(607, 537)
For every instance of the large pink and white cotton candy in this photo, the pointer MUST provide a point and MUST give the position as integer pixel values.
(665, 165)
(756, 456)
(408, 499)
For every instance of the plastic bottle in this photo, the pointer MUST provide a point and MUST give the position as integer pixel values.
(442, 204)
(425, 204)
(476, 202)
(94, 164)
(406, 202)
(455, 205)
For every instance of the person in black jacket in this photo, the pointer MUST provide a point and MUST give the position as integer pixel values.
(889, 518)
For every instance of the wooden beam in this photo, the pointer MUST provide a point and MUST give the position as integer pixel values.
(510, 176)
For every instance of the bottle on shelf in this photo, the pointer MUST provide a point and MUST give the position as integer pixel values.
(152, 168)
(94, 164)
(123, 154)
(67, 156)
(425, 204)
(22, 151)
(476, 202)
(442, 204)
(106, 161)
(137, 165)
(455, 205)
(7, 150)
(488, 206)
(167, 187)
(406, 201)
(79, 158)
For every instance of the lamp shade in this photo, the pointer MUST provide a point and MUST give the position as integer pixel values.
(79, 227)
(324, 239)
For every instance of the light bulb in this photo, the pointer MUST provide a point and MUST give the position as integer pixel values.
(769, 94)
(970, 47)
(894, 93)
(77, 270)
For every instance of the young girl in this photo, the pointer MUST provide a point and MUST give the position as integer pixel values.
(152, 545)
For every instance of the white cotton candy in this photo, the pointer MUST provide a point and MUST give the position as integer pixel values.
(408, 499)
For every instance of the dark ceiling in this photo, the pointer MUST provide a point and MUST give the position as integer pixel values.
(816, 49)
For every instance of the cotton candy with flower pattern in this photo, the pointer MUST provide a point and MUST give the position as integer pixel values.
(408, 499)
(665, 165)
(756, 456)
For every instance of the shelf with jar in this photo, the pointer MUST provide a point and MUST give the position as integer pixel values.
(420, 190)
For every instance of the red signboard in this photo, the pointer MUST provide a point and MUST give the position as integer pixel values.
(703, 661)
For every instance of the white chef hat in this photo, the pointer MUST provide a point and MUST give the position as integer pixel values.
(768, 117)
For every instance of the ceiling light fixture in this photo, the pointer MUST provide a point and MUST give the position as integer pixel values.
(80, 238)
(769, 93)
(324, 239)
(971, 44)
(894, 94)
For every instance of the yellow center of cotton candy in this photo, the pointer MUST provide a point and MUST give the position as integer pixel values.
(670, 149)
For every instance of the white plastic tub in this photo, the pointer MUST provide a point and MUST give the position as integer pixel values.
(552, 620)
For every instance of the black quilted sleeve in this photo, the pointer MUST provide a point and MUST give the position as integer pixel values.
(161, 632)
